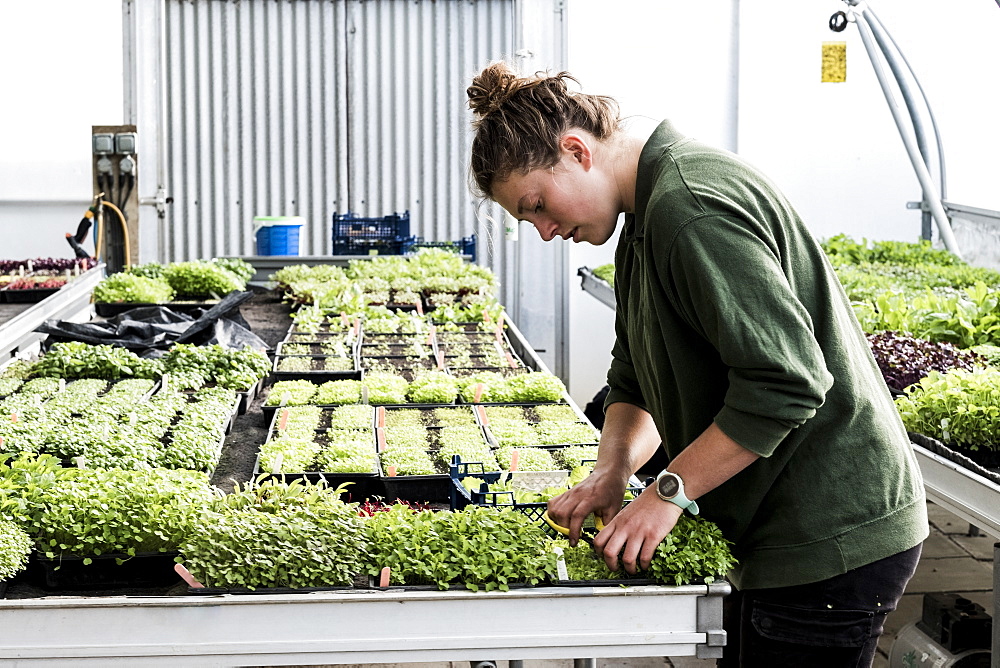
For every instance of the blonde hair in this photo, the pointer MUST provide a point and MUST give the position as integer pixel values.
(521, 120)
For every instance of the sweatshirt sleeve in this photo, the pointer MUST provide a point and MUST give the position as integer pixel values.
(726, 279)
(622, 380)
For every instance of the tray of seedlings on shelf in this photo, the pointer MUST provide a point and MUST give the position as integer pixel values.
(316, 361)
(416, 444)
(334, 445)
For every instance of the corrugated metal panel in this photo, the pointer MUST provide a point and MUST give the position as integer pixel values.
(310, 107)
(255, 121)
(409, 136)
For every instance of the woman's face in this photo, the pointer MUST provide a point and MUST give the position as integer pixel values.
(570, 200)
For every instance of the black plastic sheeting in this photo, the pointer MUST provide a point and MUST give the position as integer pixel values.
(149, 331)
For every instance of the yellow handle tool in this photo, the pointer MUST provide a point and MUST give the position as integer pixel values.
(585, 532)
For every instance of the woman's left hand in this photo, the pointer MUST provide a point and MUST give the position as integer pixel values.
(635, 532)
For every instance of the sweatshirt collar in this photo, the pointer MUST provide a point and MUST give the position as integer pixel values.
(664, 137)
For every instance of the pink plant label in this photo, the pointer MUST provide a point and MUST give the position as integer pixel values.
(392, 471)
(478, 394)
(514, 459)
(283, 420)
(187, 577)
(380, 416)
(383, 578)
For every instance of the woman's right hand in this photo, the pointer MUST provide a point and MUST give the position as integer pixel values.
(599, 493)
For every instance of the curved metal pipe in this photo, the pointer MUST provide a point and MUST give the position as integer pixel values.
(931, 196)
(885, 40)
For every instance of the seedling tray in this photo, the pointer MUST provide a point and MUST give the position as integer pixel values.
(26, 296)
(316, 375)
(152, 569)
(247, 396)
(363, 485)
(435, 488)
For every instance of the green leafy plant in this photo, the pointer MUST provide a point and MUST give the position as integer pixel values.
(337, 392)
(242, 269)
(93, 512)
(695, 551)
(291, 393)
(201, 280)
(132, 288)
(432, 387)
(276, 535)
(605, 272)
(958, 407)
(74, 359)
(236, 369)
(478, 547)
(15, 547)
(385, 388)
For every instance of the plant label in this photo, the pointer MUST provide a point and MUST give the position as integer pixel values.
(481, 410)
(383, 577)
(478, 393)
(380, 440)
(392, 471)
(561, 571)
(187, 577)
(380, 416)
(515, 456)
(283, 420)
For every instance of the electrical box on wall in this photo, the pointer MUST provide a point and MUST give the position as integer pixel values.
(115, 170)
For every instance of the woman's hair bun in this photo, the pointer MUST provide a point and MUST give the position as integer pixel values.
(491, 88)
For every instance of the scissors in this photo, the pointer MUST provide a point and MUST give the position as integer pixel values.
(587, 533)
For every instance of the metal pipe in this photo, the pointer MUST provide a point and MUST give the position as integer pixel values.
(881, 30)
(931, 196)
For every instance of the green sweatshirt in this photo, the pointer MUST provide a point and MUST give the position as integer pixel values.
(728, 311)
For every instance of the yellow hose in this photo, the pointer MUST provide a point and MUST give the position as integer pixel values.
(121, 217)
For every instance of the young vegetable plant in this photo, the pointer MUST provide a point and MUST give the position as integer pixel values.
(276, 535)
(15, 547)
(291, 393)
(477, 547)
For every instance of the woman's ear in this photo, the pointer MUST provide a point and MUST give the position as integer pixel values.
(578, 149)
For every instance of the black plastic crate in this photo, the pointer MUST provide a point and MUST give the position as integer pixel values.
(357, 235)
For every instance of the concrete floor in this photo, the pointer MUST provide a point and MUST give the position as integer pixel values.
(952, 561)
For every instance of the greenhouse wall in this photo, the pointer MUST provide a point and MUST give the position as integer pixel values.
(309, 107)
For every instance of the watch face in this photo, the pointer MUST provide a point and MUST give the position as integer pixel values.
(668, 486)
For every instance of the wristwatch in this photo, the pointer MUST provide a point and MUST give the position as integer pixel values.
(670, 487)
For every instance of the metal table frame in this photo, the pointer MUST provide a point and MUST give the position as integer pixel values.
(70, 302)
(365, 626)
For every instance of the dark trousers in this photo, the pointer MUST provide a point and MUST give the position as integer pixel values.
(835, 623)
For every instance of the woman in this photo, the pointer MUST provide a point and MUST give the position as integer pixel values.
(737, 348)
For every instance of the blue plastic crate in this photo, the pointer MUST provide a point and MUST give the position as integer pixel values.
(357, 235)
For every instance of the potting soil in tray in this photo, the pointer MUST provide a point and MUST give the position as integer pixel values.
(153, 569)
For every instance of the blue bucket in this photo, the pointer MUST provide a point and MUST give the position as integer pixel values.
(277, 235)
